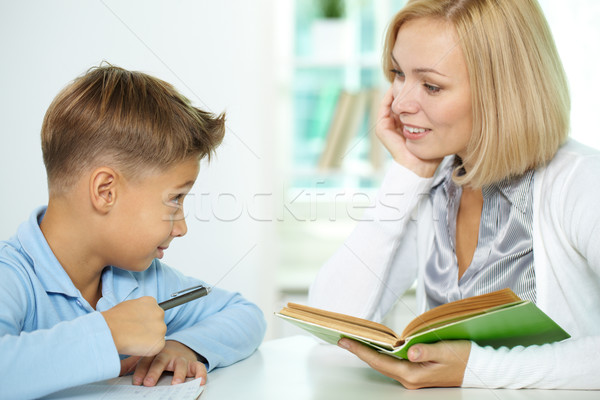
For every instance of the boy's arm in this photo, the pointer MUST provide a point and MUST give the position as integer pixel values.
(222, 327)
(38, 362)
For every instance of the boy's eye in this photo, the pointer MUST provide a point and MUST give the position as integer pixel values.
(178, 199)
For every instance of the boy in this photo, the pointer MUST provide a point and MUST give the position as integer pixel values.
(81, 279)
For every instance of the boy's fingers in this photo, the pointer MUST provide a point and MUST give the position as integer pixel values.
(128, 364)
(141, 370)
(198, 370)
(156, 369)
(180, 370)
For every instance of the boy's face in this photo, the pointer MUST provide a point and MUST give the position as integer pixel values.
(148, 215)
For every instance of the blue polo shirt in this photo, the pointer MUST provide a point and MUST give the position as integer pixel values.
(51, 338)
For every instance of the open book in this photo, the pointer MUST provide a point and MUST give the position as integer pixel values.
(499, 318)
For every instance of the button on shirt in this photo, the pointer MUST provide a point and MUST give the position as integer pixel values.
(503, 256)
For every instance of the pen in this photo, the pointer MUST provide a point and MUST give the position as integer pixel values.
(189, 294)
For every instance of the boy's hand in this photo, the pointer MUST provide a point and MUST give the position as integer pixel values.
(439, 364)
(137, 326)
(175, 357)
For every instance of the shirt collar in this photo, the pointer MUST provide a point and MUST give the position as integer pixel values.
(444, 171)
(117, 285)
(515, 189)
(47, 268)
(52, 275)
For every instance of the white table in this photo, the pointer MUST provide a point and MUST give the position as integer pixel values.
(299, 367)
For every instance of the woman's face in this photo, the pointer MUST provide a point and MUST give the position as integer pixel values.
(432, 93)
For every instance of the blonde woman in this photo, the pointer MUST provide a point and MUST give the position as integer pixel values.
(485, 192)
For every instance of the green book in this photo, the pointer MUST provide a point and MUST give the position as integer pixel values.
(497, 319)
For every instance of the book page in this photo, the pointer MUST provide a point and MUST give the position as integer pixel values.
(341, 322)
(122, 389)
(330, 315)
(460, 309)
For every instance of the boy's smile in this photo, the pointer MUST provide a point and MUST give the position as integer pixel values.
(161, 251)
(148, 215)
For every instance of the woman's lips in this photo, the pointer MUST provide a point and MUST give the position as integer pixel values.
(414, 133)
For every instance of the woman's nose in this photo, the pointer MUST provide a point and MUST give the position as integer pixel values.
(405, 101)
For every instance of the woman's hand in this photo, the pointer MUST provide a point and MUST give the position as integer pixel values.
(439, 364)
(174, 357)
(389, 131)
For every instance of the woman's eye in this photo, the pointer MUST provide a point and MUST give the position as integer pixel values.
(431, 88)
(399, 74)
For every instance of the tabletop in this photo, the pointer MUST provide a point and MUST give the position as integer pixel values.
(301, 367)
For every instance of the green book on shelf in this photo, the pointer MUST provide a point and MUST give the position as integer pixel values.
(497, 319)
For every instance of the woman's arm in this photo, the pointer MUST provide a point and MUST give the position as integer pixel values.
(571, 364)
(378, 260)
(568, 280)
(377, 263)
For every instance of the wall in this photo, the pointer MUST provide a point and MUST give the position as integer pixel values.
(218, 54)
(576, 31)
(230, 55)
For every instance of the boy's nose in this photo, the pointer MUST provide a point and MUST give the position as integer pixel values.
(179, 227)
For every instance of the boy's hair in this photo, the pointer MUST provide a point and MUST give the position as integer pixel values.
(126, 119)
(519, 91)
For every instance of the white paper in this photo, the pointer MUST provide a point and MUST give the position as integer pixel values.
(122, 389)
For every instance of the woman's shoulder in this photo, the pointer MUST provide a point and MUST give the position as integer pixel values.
(572, 161)
(570, 180)
(573, 148)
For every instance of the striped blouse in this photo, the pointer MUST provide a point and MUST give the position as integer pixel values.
(504, 253)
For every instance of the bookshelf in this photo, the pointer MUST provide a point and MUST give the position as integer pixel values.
(330, 75)
(336, 85)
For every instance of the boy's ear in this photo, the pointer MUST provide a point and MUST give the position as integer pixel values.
(103, 189)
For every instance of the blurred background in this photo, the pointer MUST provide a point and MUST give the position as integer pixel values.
(298, 79)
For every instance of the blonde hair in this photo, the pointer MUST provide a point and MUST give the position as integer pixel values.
(128, 119)
(520, 96)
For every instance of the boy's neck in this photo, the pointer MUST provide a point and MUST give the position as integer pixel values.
(69, 237)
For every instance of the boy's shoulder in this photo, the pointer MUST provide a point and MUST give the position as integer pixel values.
(10, 249)
(28, 235)
(16, 269)
(20, 253)
(12, 253)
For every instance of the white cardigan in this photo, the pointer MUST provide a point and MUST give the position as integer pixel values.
(388, 250)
